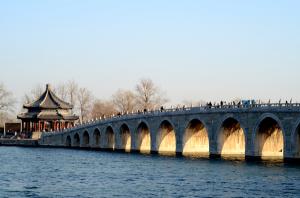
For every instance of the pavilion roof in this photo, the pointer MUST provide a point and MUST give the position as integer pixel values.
(49, 115)
(48, 100)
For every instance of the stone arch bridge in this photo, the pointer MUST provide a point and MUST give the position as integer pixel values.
(257, 131)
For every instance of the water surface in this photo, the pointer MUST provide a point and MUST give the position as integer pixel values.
(41, 172)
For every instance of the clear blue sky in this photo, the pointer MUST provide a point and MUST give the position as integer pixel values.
(194, 50)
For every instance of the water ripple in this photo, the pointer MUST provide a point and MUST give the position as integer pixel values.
(30, 172)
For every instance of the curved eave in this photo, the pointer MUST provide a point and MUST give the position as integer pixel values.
(40, 116)
(24, 116)
(48, 100)
(73, 118)
(45, 108)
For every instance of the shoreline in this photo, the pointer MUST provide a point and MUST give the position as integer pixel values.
(21, 143)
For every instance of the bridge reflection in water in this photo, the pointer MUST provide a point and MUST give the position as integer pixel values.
(258, 131)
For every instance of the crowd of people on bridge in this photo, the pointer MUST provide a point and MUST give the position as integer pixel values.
(209, 105)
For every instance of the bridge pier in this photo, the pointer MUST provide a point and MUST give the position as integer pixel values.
(179, 140)
(213, 142)
(249, 150)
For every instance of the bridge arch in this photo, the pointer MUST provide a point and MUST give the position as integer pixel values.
(110, 138)
(195, 138)
(76, 142)
(231, 137)
(85, 139)
(143, 140)
(166, 138)
(269, 136)
(295, 140)
(97, 138)
(125, 137)
(68, 142)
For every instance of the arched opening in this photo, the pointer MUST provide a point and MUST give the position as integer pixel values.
(125, 138)
(96, 137)
(86, 139)
(76, 140)
(143, 138)
(297, 145)
(269, 138)
(110, 138)
(195, 139)
(68, 141)
(166, 139)
(231, 139)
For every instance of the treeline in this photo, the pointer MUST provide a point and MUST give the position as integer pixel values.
(145, 95)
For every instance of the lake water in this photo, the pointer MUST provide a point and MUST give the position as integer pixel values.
(42, 172)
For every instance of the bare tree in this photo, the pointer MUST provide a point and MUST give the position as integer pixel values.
(6, 117)
(72, 89)
(124, 100)
(27, 99)
(6, 99)
(68, 92)
(34, 94)
(102, 108)
(85, 98)
(62, 91)
(6, 104)
(148, 95)
(37, 91)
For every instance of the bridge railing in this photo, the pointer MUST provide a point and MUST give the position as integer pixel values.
(203, 108)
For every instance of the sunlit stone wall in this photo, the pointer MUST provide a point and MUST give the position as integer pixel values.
(110, 137)
(143, 139)
(195, 139)
(270, 139)
(166, 140)
(231, 139)
(125, 140)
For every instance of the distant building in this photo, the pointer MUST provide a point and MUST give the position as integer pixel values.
(11, 129)
(47, 113)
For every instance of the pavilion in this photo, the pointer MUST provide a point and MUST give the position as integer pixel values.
(47, 113)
